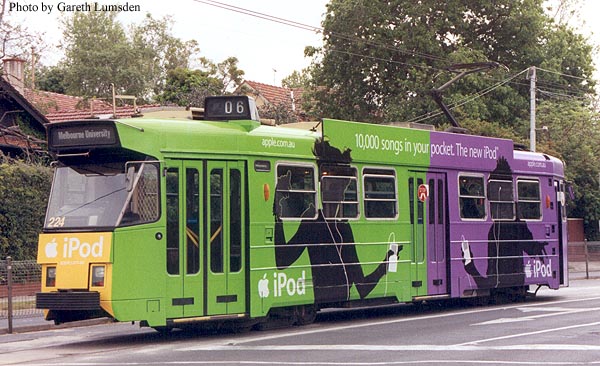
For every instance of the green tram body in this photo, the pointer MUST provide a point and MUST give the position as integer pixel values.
(224, 226)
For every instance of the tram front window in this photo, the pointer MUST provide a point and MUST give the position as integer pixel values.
(103, 196)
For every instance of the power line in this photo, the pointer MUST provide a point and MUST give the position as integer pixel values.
(316, 29)
(562, 74)
(257, 14)
(562, 95)
(352, 38)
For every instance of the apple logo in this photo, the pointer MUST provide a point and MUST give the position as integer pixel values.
(263, 287)
(50, 249)
(528, 272)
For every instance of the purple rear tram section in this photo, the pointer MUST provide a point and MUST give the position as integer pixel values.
(483, 253)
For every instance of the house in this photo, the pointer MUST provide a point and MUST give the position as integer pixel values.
(276, 96)
(21, 123)
(24, 112)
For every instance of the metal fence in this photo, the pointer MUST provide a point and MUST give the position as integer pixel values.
(19, 281)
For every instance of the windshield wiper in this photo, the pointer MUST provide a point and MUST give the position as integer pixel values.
(92, 201)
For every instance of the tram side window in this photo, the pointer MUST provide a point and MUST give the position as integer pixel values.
(216, 220)
(192, 229)
(501, 197)
(528, 199)
(235, 220)
(173, 221)
(379, 194)
(339, 192)
(295, 193)
(471, 197)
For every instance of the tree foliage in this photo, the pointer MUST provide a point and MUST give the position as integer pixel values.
(572, 134)
(51, 78)
(185, 87)
(297, 79)
(100, 53)
(161, 52)
(380, 60)
(280, 113)
(188, 87)
(24, 191)
(226, 71)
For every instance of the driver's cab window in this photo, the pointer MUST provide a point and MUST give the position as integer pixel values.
(142, 203)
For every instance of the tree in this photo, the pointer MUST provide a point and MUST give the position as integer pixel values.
(297, 79)
(573, 135)
(51, 78)
(226, 71)
(160, 52)
(24, 190)
(98, 56)
(187, 87)
(380, 60)
(280, 113)
(100, 53)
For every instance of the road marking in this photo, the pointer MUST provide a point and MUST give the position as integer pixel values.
(417, 317)
(381, 348)
(553, 312)
(529, 333)
(331, 363)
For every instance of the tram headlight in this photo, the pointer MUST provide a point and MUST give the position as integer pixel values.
(50, 276)
(98, 276)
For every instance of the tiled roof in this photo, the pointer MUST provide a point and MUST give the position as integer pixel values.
(276, 94)
(6, 140)
(122, 112)
(60, 107)
(54, 107)
(48, 102)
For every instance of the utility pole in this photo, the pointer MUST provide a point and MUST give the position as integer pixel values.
(532, 79)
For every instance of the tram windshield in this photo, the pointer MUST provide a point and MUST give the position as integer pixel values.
(103, 196)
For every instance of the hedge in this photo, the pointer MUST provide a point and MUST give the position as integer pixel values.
(24, 191)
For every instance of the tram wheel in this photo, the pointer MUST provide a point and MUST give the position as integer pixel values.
(305, 314)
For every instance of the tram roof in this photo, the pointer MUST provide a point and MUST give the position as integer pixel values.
(366, 143)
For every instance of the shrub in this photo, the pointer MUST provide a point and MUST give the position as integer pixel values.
(24, 191)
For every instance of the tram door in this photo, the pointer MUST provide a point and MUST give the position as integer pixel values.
(436, 234)
(225, 253)
(560, 191)
(416, 186)
(185, 285)
(204, 240)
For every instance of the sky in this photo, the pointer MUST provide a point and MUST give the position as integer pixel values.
(267, 51)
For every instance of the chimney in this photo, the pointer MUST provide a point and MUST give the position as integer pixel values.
(14, 73)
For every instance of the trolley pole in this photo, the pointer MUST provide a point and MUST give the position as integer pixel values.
(10, 304)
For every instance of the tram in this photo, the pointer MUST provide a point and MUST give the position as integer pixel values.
(178, 222)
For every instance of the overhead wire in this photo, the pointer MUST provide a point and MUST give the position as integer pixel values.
(316, 29)
(353, 38)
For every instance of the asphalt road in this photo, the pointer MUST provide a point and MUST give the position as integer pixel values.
(556, 328)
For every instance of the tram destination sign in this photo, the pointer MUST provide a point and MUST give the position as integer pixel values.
(231, 107)
(80, 135)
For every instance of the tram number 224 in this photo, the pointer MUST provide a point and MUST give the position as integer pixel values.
(56, 221)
